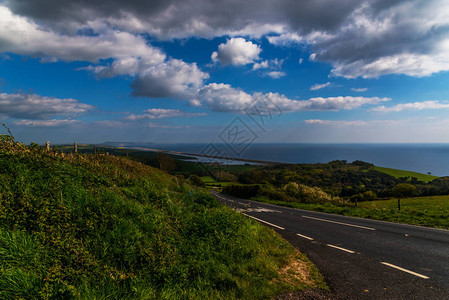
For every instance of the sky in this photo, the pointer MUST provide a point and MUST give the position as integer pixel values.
(196, 71)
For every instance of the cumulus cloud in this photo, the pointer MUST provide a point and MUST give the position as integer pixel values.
(236, 51)
(47, 123)
(155, 75)
(319, 86)
(181, 19)
(261, 65)
(349, 123)
(380, 38)
(173, 78)
(276, 74)
(412, 106)
(22, 36)
(322, 104)
(225, 98)
(359, 38)
(360, 90)
(286, 39)
(158, 125)
(32, 106)
(160, 113)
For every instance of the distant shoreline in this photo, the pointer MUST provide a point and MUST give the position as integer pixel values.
(262, 162)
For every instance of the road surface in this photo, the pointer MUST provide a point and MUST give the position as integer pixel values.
(361, 258)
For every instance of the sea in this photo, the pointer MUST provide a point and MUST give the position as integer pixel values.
(422, 158)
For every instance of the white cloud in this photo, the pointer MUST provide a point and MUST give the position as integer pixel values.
(272, 64)
(349, 123)
(173, 78)
(156, 76)
(225, 98)
(47, 123)
(359, 38)
(412, 106)
(22, 36)
(261, 65)
(236, 51)
(322, 104)
(286, 39)
(159, 113)
(194, 102)
(158, 125)
(319, 86)
(32, 106)
(360, 90)
(276, 74)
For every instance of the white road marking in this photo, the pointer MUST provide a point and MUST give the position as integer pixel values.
(405, 270)
(306, 237)
(340, 248)
(340, 223)
(282, 228)
(262, 209)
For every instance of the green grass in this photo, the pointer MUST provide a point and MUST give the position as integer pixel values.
(105, 227)
(401, 173)
(430, 205)
(210, 181)
(430, 211)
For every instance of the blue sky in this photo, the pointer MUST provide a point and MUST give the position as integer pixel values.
(181, 71)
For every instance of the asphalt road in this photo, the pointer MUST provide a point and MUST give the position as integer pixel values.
(361, 258)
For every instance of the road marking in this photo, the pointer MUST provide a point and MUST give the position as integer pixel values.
(262, 209)
(405, 270)
(340, 223)
(264, 221)
(340, 248)
(306, 237)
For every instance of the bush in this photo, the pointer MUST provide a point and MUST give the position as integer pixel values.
(307, 194)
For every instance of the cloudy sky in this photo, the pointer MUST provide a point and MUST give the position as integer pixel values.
(183, 70)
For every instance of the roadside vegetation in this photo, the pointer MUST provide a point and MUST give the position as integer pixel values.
(107, 227)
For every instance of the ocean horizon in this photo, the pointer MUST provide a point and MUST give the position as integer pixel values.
(423, 158)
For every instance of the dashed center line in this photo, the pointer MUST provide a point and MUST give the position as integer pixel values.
(340, 223)
(405, 270)
(304, 236)
(282, 228)
(340, 248)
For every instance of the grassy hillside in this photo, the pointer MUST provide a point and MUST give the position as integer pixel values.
(401, 173)
(96, 227)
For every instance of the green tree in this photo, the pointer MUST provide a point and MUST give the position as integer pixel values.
(403, 190)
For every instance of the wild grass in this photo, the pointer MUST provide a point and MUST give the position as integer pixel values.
(104, 227)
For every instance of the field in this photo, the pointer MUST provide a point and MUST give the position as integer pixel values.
(211, 182)
(430, 211)
(401, 173)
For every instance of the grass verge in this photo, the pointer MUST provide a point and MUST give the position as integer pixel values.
(105, 227)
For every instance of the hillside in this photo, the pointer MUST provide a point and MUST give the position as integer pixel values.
(97, 226)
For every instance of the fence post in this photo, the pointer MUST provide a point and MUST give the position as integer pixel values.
(47, 146)
(75, 147)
